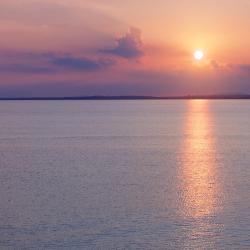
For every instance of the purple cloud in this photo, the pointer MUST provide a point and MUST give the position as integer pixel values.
(26, 69)
(39, 63)
(244, 67)
(128, 46)
(81, 63)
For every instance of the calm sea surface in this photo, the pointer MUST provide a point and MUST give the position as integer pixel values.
(125, 174)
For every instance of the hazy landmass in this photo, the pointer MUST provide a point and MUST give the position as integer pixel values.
(131, 97)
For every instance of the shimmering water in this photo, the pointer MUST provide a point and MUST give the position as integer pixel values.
(125, 174)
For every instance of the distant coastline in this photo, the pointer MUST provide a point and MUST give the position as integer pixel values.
(186, 97)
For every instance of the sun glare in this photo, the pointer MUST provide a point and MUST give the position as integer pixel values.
(198, 55)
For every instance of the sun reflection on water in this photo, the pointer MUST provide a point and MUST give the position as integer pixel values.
(200, 183)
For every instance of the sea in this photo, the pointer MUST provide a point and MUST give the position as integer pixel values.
(125, 174)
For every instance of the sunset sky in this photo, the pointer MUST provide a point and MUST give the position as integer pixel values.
(117, 47)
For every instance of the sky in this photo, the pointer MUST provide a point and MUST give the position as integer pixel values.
(116, 47)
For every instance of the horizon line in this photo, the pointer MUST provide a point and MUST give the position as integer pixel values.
(131, 97)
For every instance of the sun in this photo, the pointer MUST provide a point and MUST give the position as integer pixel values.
(198, 55)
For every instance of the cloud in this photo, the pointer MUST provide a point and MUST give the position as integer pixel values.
(240, 68)
(26, 68)
(39, 63)
(225, 66)
(244, 67)
(128, 46)
(34, 12)
(215, 64)
(81, 63)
